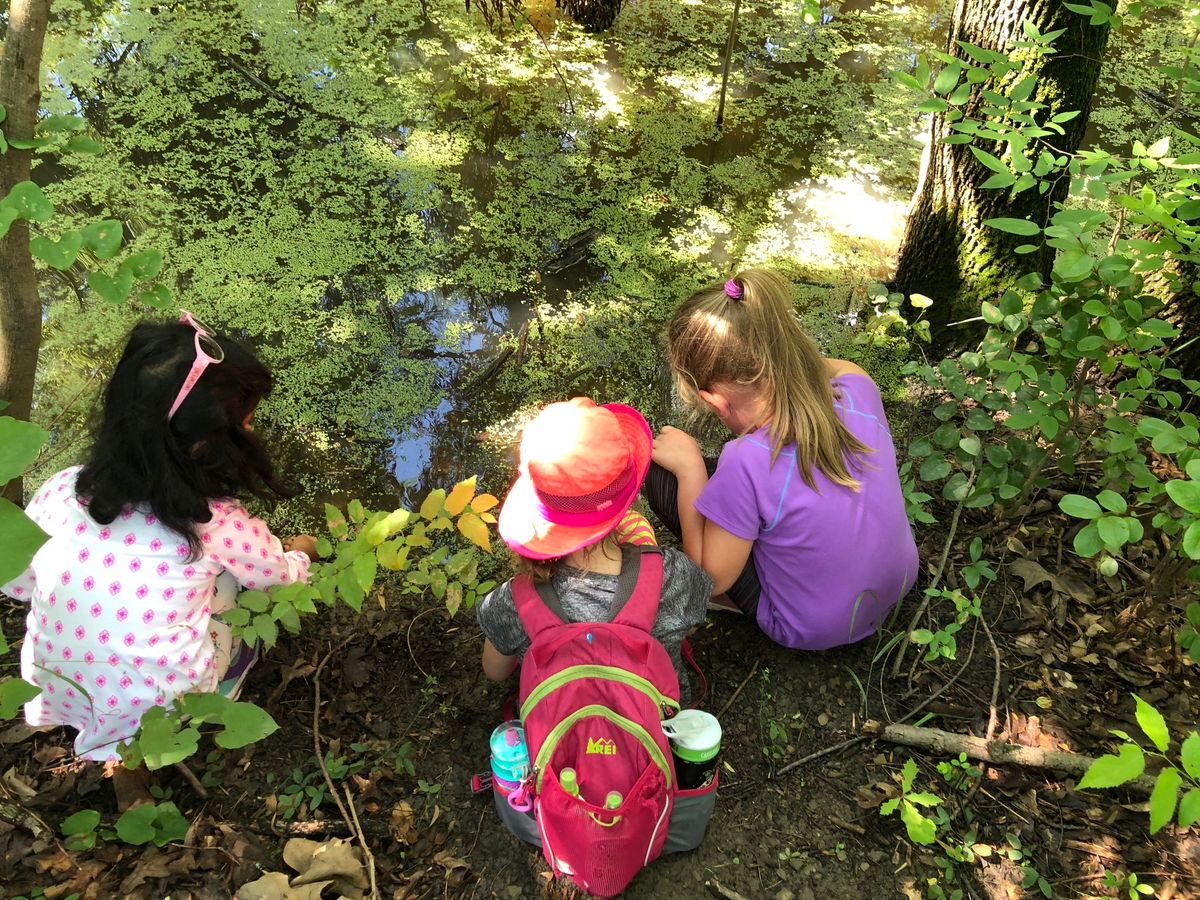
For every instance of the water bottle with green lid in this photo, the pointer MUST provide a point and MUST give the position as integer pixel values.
(613, 800)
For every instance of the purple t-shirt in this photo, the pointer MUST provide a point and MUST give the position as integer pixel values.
(833, 561)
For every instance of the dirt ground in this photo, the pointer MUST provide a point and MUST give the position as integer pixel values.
(1068, 653)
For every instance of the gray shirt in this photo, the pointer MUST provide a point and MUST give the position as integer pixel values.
(588, 597)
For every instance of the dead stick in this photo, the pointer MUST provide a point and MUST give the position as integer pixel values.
(721, 891)
(740, 688)
(184, 770)
(15, 814)
(317, 735)
(362, 842)
(995, 752)
(804, 759)
(937, 576)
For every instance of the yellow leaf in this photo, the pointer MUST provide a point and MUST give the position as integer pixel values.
(488, 517)
(460, 496)
(475, 531)
(483, 503)
(433, 503)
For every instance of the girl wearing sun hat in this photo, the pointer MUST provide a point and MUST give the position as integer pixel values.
(581, 466)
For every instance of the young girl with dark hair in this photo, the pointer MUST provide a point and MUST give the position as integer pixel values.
(801, 523)
(148, 541)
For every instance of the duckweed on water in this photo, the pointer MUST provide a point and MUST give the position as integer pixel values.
(373, 197)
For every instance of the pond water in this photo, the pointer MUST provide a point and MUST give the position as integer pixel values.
(429, 229)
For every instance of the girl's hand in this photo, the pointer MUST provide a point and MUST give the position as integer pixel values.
(677, 452)
(305, 543)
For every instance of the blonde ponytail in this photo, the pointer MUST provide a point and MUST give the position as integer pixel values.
(744, 332)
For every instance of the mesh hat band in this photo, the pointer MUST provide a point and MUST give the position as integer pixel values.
(581, 510)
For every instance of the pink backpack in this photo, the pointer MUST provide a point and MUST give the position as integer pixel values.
(594, 696)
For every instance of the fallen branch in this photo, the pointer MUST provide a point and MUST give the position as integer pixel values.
(741, 687)
(15, 814)
(362, 842)
(999, 753)
(721, 891)
(937, 577)
(317, 736)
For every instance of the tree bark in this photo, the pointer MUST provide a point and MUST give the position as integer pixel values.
(946, 252)
(20, 308)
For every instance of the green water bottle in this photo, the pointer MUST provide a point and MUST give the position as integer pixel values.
(568, 781)
(613, 800)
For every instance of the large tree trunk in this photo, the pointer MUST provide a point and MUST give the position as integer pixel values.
(20, 309)
(946, 252)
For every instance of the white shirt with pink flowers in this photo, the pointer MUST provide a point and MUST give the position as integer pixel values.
(118, 618)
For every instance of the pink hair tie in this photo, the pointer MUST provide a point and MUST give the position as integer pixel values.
(733, 289)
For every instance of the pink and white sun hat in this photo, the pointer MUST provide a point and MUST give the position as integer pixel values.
(581, 466)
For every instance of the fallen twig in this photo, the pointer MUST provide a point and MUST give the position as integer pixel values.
(408, 638)
(995, 752)
(721, 891)
(937, 577)
(317, 736)
(825, 752)
(15, 814)
(740, 688)
(362, 842)
(190, 776)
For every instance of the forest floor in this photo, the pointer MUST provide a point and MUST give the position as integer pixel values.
(405, 714)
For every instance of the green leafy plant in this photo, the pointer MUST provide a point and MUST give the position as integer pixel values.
(1189, 635)
(921, 828)
(943, 642)
(157, 823)
(1130, 885)
(1129, 763)
(80, 829)
(169, 736)
(959, 773)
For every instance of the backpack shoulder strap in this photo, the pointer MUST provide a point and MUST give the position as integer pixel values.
(537, 604)
(639, 586)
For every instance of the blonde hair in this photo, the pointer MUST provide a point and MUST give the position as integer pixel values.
(756, 341)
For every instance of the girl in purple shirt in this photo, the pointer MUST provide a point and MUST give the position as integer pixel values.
(801, 521)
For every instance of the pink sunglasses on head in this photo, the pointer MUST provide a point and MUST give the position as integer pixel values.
(208, 352)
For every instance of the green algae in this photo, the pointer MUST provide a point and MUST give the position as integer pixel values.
(314, 182)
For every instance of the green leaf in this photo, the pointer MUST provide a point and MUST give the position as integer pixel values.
(935, 468)
(1088, 542)
(947, 78)
(244, 724)
(1189, 808)
(1163, 798)
(20, 442)
(80, 823)
(142, 266)
(1186, 494)
(1114, 531)
(1152, 723)
(81, 143)
(15, 693)
(921, 829)
(1014, 226)
(350, 590)
(103, 238)
(59, 124)
(256, 601)
(908, 773)
(1189, 755)
(161, 823)
(1079, 507)
(1111, 771)
(1073, 265)
(59, 254)
(365, 568)
(1111, 501)
(20, 538)
(158, 297)
(266, 629)
(110, 289)
(29, 202)
(996, 166)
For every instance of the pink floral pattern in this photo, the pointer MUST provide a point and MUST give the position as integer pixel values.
(110, 628)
